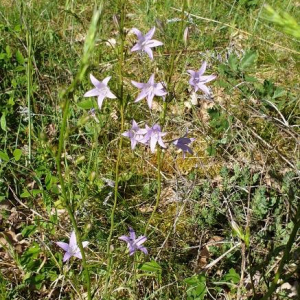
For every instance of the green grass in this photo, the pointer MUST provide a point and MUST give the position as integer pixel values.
(245, 166)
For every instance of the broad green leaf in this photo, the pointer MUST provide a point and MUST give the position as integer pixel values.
(17, 154)
(4, 156)
(248, 60)
(87, 103)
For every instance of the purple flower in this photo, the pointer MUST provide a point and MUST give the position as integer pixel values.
(72, 248)
(154, 135)
(144, 41)
(101, 90)
(198, 81)
(182, 143)
(149, 90)
(134, 243)
(135, 134)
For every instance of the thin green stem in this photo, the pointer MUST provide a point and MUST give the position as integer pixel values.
(119, 154)
(29, 85)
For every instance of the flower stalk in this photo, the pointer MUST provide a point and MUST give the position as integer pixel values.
(122, 106)
(66, 98)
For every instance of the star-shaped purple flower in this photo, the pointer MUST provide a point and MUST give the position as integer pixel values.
(72, 248)
(198, 81)
(101, 90)
(182, 143)
(145, 42)
(134, 243)
(149, 90)
(153, 136)
(136, 134)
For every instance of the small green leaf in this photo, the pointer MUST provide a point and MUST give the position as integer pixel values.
(233, 62)
(20, 58)
(28, 230)
(25, 194)
(151, 266)
(8, 51)
(4, 156)
(232, 276)
(3, 122)
(248, 60)
(279, 92)
(17, 154)
(197, 287)
(87, 104)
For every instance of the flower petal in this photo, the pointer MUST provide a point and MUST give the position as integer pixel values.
(143, 249)
(208, 78)
(150, 99)
(149, 34)
(100, 100)
(151, 80)
(161, 143)
(136, 47)
(106, 80)
(95, 81)
(133, 143)
(137, 33)
(202, 69)
(124, 238)
(191, 72)
(131, 234)
(126, 133)
(139, 85)
(148, 51)
(110, 95)
(204, 88)
(154, 43)
(160, 93)
(63, 245)
(91, 93)
(153, 142)
(141, 95)
(78, 254)
(72, 242)
(67, 256)
(131, 250)
(140, 240)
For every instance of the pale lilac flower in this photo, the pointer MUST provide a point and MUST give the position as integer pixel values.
(153, 136)
(198, 81)
(101, 90)
(134, 243)
(72, 248)
(149, 90)
(136, 134)
(182, 143)
(145, 43)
